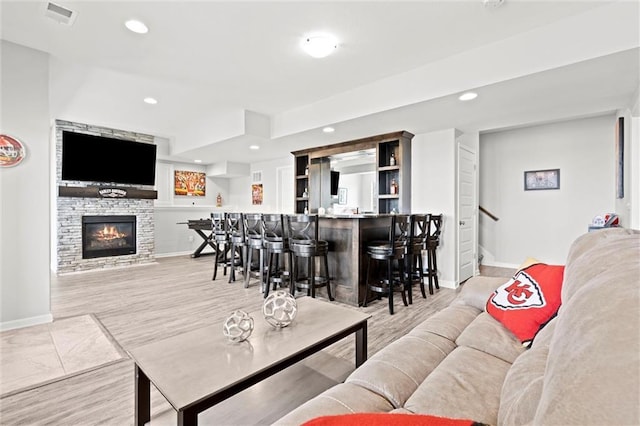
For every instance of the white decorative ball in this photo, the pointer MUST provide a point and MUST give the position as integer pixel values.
(238, 327)
(280, 308)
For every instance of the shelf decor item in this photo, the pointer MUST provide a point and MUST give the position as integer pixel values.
(280, 309)
(238, 326)
(542, 179)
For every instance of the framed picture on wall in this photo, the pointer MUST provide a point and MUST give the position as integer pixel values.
(620, 157)
(541, 179)
(342, 195)
(193, 184)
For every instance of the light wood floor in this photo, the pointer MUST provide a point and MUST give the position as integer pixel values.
(138, 305)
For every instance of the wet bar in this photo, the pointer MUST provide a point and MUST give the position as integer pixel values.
(348, 236)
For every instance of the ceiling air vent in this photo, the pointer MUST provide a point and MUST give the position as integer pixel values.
(60, 14)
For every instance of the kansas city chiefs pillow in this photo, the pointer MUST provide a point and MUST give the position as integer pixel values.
(528, 300)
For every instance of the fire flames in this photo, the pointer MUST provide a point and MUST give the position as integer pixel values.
(109, 233)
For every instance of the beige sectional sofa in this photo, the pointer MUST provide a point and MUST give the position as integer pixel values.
(582, 368)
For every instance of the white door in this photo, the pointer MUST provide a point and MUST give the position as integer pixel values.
(285, 190)
(466, 212)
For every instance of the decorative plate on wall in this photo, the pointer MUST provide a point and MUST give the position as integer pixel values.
(12, 151)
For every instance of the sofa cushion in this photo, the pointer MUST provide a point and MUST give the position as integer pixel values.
(488, 335)
(386, 419)
(475, 291)
(397, 370)
(529, 300)
(342, 398)
(593, 369)
(449, 322)
(522, 387)
(466, 384)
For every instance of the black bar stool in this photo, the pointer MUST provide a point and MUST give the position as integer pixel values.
(235, 234)
(414, 264)
(275, 244)
(431, 245)
(220, 240)
(304, 243)
(254, 242)
(393, 249)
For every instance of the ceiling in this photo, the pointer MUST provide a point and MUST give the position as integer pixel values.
(230, 74)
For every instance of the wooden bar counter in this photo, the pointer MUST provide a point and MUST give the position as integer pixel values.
(348, 236)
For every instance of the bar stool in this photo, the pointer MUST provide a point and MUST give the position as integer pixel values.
(220, 240)
(431, 245)
(393, 249)
(275, 244)
(254, 242)
(304, 244)
(416, 242)
(235, 234)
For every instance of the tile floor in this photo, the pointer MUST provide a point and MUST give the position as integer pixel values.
(32, 356)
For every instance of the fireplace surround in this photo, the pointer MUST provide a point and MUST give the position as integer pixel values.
(104, 236)
(71, 207)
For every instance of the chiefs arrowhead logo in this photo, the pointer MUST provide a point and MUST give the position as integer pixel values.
(520, 292)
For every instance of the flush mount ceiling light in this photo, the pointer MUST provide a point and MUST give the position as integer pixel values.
(328, 129)
(254, 147)
(150, 101)
(197, 161)
(468, 96)
(136, 26)
(319, 46)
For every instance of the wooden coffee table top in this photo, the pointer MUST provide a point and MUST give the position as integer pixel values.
(193, 366)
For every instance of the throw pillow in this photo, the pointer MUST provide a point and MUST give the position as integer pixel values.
(388, 419)
(529, 300)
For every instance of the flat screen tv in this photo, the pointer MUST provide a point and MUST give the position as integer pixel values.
(335, 178)
(91, 158)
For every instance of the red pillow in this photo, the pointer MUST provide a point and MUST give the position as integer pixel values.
(528, 300)
(387, 419)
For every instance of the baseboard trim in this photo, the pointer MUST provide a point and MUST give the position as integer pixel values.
(448, 284)
(25, 322)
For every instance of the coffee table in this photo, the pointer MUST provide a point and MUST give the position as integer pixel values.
(196, 370)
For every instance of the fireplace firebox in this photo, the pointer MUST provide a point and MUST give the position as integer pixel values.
(104, 236)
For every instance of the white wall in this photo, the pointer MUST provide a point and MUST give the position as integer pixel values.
(25, 189)
(433, 190)
(240, 188)
(544, 223)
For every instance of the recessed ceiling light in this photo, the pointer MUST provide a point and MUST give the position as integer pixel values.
(468, 96)
(151, 101)
(254, 147)
(328, 130)
(136, 26)
(197, 161)
(320, 45)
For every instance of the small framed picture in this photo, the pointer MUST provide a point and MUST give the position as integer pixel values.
(342, 195)
(542, 179)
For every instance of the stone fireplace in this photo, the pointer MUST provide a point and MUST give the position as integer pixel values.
(84, 251)
(104, 236)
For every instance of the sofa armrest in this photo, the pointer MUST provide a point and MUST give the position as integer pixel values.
(476, 291)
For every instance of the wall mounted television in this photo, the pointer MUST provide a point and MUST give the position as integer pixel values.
(91, 158)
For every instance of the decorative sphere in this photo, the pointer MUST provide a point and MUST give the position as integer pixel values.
(238, 327)
(280, 308)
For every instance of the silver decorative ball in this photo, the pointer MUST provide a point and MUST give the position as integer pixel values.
(238, 327)
(280, 309)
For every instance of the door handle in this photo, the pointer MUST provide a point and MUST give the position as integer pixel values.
(462, 222)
